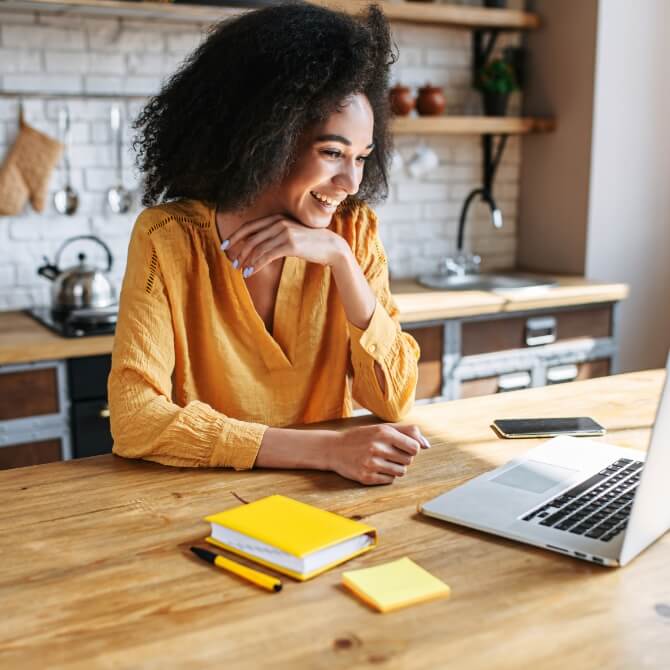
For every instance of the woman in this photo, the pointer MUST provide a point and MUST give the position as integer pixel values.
(257, 295)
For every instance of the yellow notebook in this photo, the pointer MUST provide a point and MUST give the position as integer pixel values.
(391, 586)
(292, 537)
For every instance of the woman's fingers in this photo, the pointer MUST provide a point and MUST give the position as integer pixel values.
(391, 453)
(378, 478)
(252, 227)
(242, 246)
(413, 432)
(274, 252)
(384, 467)
(250, 248)
(391, 435)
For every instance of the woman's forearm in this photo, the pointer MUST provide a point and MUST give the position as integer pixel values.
(357, 297)
(288, 448)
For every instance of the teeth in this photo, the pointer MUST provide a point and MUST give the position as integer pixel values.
(325, 199)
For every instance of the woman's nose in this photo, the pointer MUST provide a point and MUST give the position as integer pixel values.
(348, 179)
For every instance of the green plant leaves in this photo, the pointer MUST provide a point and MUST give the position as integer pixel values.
(497, 76)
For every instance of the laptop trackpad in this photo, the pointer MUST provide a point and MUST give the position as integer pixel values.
(534, 477)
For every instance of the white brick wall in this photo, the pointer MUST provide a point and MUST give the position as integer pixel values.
(131, 57)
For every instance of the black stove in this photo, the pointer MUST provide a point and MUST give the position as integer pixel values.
(77, 322)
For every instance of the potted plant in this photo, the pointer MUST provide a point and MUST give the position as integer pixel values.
(496, 80)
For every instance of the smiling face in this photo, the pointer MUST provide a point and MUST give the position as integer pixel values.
(330, 164)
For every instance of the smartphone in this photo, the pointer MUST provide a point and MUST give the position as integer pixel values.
(576, 425)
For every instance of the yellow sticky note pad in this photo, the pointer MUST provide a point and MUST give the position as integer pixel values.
(391, 586)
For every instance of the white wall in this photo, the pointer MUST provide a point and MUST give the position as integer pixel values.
(629, 205)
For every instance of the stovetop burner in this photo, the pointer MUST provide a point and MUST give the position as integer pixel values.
(77, 322)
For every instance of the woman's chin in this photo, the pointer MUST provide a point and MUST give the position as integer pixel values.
(317, 220)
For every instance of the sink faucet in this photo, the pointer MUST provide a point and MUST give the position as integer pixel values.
(490, 163)
(496, 214)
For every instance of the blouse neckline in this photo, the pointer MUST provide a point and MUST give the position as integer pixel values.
(278, 349)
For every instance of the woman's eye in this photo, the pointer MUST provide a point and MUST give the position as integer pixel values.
(362, 159)
(332, 153)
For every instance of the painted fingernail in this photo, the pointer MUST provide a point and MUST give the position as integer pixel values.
(235, 263)
(248, 271)
(426, 443)
(225, 244)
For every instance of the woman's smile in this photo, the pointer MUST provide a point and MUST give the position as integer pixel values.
(326, 202)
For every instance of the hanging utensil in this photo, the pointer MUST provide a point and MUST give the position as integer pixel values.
(120, 199)
(66, 200)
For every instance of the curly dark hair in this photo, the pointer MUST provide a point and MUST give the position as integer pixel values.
(229, 121)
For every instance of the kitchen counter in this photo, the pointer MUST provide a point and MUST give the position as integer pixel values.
(97, 572)
(418, 303)
(23, 340)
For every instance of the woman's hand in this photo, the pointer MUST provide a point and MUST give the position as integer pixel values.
(257, 243)
(375, 454)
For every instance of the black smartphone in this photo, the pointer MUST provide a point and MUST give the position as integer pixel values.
(549, 427)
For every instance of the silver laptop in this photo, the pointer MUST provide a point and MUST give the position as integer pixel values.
(594, 501)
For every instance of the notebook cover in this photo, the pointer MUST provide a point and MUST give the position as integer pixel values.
(393, 585)
(292, 526)
(285, 571)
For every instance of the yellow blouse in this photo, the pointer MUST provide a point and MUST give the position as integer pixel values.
(196, 377)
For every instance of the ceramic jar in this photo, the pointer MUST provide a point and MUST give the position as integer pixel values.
(431, 101)
(401, 99)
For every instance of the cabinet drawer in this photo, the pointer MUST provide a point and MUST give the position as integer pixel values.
(30, 453)
(483, 337)
(429, 384)
(520, 380)
(29, 393)
(560, 374)
(88, 376)
(513, 381)
(90, 428)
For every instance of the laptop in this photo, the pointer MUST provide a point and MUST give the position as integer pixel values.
(575, 496)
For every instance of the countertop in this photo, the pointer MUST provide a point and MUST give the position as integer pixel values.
(23, 340)
(97, 574)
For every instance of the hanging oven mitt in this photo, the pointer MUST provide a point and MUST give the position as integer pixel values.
(27, 169)
(14, 191)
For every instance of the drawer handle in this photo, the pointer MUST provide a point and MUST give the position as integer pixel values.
(562, 373)
(514, 381)
(540, 330)
(104, 412)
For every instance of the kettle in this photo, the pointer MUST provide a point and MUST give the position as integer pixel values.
(79, 286)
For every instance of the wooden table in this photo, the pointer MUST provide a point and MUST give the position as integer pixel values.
(95, 572)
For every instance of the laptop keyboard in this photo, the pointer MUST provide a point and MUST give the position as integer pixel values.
(598, 507)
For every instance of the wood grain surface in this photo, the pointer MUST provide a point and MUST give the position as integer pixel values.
(96, 573)
(22, 340)
(431, 13)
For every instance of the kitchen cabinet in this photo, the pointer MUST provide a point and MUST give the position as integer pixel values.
(54, 410)
(34, 420)
(89, 411)
(479, 355)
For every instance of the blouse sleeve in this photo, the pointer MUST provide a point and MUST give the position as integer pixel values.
(145, 423)
(383, 341)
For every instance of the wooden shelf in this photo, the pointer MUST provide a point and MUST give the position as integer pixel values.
(456, 16)
(408, 12)
(471, 125)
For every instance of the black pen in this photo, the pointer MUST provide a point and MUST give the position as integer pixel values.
(253, 576)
